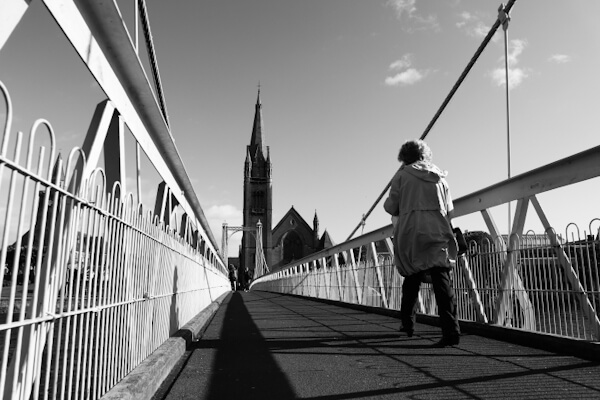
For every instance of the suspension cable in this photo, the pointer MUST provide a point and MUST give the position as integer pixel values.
(462, 77)
(154, 65)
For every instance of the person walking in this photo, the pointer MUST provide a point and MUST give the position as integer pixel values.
(233, 277)
(421, 207)
(247, 279)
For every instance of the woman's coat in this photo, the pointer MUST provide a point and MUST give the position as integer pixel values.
(420, 199)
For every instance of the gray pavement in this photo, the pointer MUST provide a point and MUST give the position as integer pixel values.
(269, 346)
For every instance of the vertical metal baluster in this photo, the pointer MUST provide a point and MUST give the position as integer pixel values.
(56, 222)
(109, 357)
(37, 336)
(140, 285)
(152, 250)
(584, 275)
(25, 333)
(69, 260)
(120, 359)
(75, 300)
(100, 301)
(95, 280)
(14, 268)
(86, 294)
(109, 310)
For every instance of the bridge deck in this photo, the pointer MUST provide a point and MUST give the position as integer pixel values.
(263, 345)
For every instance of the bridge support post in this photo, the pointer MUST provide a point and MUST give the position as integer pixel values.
(260, 266)
(510, 282)
(372, 255)
(480, 315)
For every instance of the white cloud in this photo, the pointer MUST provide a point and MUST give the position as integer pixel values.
(404, 62)
(515, 48)
(516, 74)
(464, 18)
(218, 214)
(406, 10)
(472, 25)
(560, 58)
(404, 74)
(515, 77)
(408, 77)
(403, 6)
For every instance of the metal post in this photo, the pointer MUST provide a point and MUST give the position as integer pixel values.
(258, 252)
(504, 20)
(136, 22)
(137, 144)
(224, 244)
(138, 173)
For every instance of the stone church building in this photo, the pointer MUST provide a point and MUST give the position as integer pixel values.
(292, 238)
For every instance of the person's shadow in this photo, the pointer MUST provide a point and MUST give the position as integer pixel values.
(244, 367)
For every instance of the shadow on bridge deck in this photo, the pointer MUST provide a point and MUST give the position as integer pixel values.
(269, 346)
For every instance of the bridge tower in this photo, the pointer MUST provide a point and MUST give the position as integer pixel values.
(258, 189)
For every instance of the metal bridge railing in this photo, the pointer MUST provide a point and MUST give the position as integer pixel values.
(540, 296)
(90, 285)
(90, 282)
(542, 283)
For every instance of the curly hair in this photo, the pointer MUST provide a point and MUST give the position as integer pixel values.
(413, 151)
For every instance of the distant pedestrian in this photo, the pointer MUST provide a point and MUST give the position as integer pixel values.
(421, 206)
(233, 277)
(247, 279)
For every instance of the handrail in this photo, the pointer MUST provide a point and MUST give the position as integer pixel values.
(570, 170)
(567, 171)
(108, 31)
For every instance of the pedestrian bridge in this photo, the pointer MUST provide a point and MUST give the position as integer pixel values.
(101, 296)
(319, 350)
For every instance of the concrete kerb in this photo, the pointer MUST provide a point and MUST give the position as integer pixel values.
(146, 378)
(543, 341)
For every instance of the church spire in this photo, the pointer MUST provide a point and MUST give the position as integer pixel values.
(258, 193)
(257, 144)
(316, 231)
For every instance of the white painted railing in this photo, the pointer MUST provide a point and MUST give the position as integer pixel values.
(543, 283)
(91, 283)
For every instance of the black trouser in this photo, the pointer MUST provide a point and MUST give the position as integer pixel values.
(444, 296)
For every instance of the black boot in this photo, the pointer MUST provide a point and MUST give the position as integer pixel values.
(448, 341)
(409, 332)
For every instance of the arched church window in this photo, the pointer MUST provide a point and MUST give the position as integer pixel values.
(292, 247)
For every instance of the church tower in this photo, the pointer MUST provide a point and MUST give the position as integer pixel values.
(257, 193)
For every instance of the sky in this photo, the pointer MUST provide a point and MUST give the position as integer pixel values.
(343, 84)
